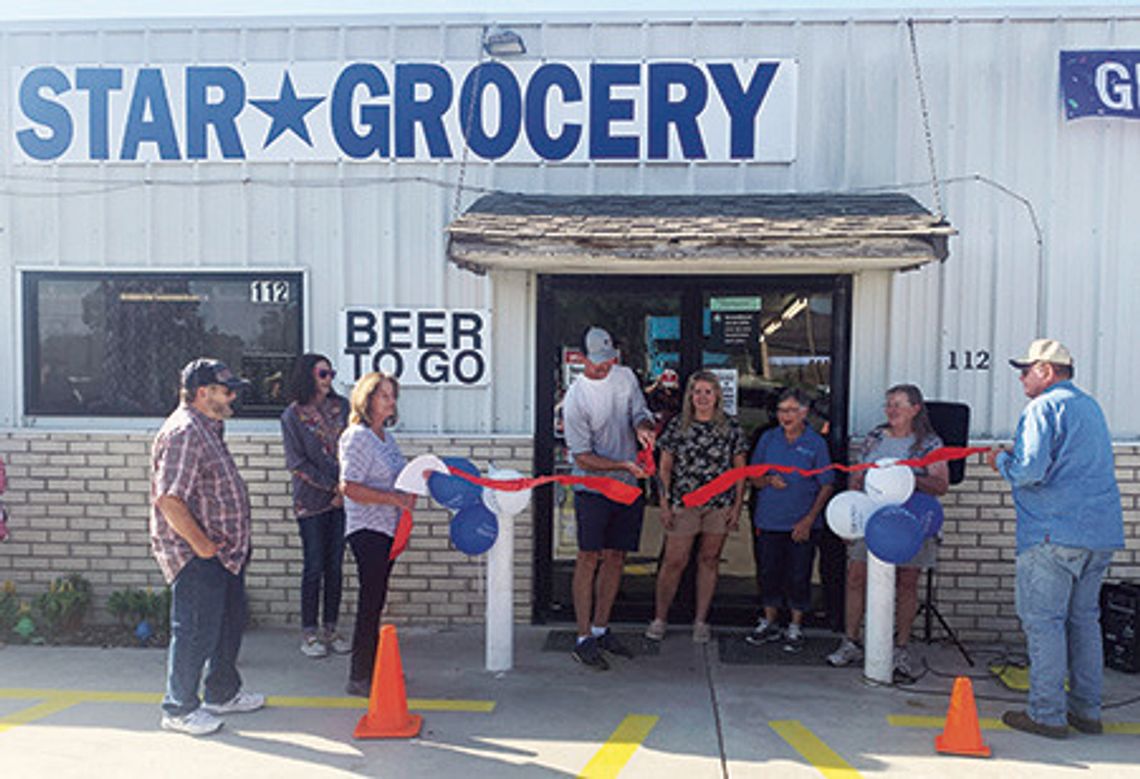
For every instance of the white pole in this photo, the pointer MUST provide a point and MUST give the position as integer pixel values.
(500, 598)
(878, 662)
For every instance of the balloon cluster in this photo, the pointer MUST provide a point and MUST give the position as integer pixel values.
(475, 525)
(894, 519)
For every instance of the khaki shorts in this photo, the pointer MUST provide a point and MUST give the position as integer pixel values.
(700, 519)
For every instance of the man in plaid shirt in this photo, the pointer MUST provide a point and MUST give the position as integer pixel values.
(199, 530)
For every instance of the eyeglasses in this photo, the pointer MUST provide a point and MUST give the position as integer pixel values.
(1025, 370)
(226, 388)
(325, 373)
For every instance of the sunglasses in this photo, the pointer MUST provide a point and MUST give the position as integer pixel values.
(1025, 371)
(326, 374)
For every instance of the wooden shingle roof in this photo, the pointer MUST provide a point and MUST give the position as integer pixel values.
(787, 233)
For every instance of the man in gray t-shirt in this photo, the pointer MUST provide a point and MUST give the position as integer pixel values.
(605, 418)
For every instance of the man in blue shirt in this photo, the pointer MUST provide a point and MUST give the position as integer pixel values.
(1069, 521)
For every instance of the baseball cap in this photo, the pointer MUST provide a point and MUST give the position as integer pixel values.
(205, 371)
(599, 346)
(1044, 350)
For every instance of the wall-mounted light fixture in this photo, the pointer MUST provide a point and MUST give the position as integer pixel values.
(501, 42)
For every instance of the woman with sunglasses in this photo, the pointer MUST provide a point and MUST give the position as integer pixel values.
(311, 425)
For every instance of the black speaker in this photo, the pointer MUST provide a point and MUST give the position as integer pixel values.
(1119, 606)
(952, 423)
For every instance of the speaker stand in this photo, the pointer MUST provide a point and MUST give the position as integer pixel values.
(930, 611)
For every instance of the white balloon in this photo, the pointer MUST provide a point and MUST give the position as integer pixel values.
(411, 478)
(889, 484)
(847, 513)
(503, 502)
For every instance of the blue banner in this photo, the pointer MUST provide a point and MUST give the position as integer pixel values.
(1101, 83)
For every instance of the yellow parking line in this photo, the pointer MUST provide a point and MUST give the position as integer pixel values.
(822, 757)
(992, 723)
(33, 713)
(617, 751)
(279, 701)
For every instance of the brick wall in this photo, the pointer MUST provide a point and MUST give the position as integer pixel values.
(976, 562)
(78, 504)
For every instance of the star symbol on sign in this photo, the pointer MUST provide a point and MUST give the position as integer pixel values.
(287, 112)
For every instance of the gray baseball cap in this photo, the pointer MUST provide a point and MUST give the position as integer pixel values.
(599, 346)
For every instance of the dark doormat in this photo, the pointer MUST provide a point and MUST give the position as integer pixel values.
(563, 641)
(734, 650)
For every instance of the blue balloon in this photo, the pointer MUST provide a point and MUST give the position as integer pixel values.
(453, 492)
(894, 535)
(474, 529)
(928, 510)
(462, 464)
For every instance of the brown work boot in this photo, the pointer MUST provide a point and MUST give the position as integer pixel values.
(1092, 727)
(1020, 720)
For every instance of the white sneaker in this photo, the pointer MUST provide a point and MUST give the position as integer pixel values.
(239, 704)
(336, 643)
(656, 630)
(901, 662)
(847, 653)
(196, 723)
(311, 646)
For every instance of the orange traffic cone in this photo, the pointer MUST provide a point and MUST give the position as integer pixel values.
(388, 715)
(962, 735)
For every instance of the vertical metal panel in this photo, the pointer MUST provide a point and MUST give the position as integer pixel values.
(374, 234)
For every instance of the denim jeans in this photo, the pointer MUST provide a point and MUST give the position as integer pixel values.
(207, 617)
(1058, 601)
(785, 569)
(371, 550)
(322, 541)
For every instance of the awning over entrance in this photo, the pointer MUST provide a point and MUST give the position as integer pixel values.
(786, 233)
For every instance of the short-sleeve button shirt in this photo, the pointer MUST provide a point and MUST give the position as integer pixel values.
(701, 452)
(190, 461)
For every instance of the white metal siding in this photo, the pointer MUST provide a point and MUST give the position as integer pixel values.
(373, 234)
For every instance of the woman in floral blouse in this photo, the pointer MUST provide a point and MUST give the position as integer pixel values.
(697, 445)
(311, 425)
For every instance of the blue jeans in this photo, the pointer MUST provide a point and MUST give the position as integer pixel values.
(1058, 601)
(785, 569)
(322, 540)
(207, 617)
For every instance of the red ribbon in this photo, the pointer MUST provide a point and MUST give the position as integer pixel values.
(611, 488)
(728, 479)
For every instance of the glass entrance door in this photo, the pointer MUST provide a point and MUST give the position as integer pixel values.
(759, 335)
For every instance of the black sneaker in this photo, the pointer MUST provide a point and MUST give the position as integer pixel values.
(610, 642)
(765, 632)
(588, 653)
(793, 642)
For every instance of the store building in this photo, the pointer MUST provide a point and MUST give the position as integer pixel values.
(834, 200)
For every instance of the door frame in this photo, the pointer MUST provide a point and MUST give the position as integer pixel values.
(691, 289)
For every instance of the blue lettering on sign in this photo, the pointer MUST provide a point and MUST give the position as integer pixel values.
(98, 83)
(550, 147)
(46, 113)
(149, 98)
(471, 110)
(426, 113)
(604, 109)
(363, 110)
(374, 117)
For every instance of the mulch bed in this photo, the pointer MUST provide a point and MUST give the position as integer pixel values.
(105, 636)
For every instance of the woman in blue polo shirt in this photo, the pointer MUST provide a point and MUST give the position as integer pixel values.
(789, 516)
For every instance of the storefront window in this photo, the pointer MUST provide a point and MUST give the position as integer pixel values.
(113, 344)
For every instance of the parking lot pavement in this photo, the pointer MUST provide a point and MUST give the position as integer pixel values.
(94, 712)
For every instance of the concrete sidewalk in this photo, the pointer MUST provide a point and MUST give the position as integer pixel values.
(78, 712)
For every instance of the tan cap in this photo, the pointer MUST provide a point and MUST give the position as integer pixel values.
(1044, 350)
